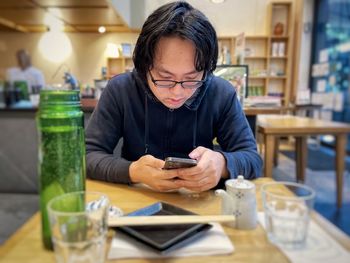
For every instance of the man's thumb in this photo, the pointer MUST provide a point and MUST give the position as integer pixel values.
(197, 153)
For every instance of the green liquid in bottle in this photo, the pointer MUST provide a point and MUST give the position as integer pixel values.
(61, 149)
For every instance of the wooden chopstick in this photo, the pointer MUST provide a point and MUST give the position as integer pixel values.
(167, 220)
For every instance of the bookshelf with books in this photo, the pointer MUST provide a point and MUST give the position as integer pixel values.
(269, 56)
(280, 23)
(256, 57)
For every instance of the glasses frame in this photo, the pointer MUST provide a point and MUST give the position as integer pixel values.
(201, 82)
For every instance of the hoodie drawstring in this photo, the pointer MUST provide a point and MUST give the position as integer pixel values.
(194, 135)
(194, 138)
(146, 125)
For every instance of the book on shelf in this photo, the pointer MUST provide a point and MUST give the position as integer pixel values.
(263, 101)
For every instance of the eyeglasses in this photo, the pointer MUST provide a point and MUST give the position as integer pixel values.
(186, 84)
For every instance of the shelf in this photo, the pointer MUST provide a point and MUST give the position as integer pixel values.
(280, 21)
(277, 77)
(279, 37)
(277, 57)
(257, 77)
(255, 57)
(256, 37)
(250, 37)
(118, 65)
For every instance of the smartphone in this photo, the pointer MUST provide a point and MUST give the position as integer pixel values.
(175, 163)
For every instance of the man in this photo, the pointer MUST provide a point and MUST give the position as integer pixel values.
(171, 105)
(26, 72)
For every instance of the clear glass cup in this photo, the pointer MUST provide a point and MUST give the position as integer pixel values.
(287, 208)
(78, 222)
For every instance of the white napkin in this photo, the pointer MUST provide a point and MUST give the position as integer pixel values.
(213, 242)
(320, 247)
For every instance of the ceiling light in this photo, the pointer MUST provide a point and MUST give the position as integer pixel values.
(217, 1)
(101, 29)
(55, 46)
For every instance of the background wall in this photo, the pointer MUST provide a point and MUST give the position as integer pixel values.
(229, 18)
(85, 62)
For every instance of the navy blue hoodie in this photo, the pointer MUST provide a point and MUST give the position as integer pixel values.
(128, 109)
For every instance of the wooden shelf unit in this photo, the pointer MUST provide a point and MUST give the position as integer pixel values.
(119, 65)
(279, 63)
(269, 70)
(228, 43)
(256, 57)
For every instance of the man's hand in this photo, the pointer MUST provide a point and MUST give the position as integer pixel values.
(148, 170)
(210, 168)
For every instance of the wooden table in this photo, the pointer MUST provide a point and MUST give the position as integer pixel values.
(252, 113)
(274, 126)
(250, 246)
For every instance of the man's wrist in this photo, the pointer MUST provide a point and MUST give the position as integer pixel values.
(224, 172)
(132, 174)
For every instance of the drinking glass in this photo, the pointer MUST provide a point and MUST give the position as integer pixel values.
(78, 222)
(287, 208)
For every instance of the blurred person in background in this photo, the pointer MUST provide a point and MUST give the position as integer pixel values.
(26, 72)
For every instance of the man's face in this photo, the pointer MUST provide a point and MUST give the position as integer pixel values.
(23, 59)
(174, 60)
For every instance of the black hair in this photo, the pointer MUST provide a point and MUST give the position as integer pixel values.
(182, 20)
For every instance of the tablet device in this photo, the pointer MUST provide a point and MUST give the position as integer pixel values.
(164, 238)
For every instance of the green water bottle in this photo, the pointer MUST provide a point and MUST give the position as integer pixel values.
(61, 149)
